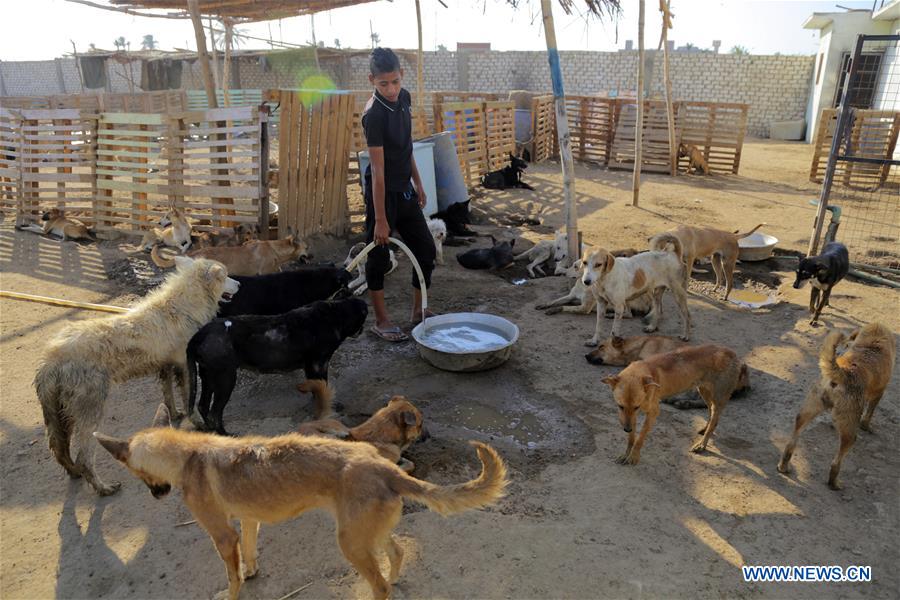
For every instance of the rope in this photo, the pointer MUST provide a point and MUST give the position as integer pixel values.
(60, 302)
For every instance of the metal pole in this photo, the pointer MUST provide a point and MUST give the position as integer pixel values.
(639, 125)
(562, 132)
(842, 118)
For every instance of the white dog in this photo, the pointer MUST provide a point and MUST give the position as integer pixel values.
(86, 358)
(538, 254)
(358, 286)
(438, 230)
(615, 281)
(561, 252)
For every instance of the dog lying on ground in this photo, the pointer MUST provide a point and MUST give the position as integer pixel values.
(540, 253)
(304, 338)
(509, 176)
(714, 371)
(697, 242)
(253, 258)
(498, 256)
(696, 160)
(391, 430)
(621, 352)
(86, 358)
(438, 231)
(849, 383)
(279, 293)
(615, 281)
(359, 286)
(456, 217)
(175, 232)
(561, 252)
(237, 236)
(824, 272)
(258, 479)
(581, 301)
(56, 224)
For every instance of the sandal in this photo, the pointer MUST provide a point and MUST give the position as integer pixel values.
(390, 334)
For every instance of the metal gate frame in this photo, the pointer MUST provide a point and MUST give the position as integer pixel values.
(844, 118)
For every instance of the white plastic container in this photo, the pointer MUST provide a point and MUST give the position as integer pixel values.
(423, 152)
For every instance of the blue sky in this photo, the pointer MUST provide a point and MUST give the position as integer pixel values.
(42, 29)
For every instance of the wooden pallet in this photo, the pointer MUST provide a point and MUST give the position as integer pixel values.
(873, 134)
(655, 155)
(10, 161)
(467, 122)
(500, 133)
(159, 101)
(591, 126)
(717, 129)
(543, 129)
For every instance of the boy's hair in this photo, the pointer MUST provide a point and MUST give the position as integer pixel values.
(383, 60)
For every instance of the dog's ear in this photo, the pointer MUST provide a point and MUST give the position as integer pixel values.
(215, 271)
(405, 418)
(608, 262)
(118, 448)
(182, 262)
(396, 399)
(162, 417)
(649, 382)
(618, 342)
(611, 380)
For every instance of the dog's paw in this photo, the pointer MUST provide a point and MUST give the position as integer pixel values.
(866, 426)
(592, 342)
(198, 422)
(251, 571)
(835, 485)
(699, 447)
(108, 489)
(554, 310)
(784, 467)
(629, 459)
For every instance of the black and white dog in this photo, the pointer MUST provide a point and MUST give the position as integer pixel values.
(507, 177)
(304, 338)
(823, 272)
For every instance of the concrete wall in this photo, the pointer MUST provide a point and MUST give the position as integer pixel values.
(887, 93)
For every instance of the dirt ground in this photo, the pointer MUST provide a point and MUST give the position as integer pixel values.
(575, 524)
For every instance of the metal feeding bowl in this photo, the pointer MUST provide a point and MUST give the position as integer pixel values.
(757, 246)
(465, 342)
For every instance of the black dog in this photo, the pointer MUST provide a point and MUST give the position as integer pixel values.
(507, 177)
(498, 256)
(278, 293)
(304, 338)
(456, 217)
(823, 272)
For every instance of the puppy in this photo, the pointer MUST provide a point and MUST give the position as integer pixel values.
(498, 256)
(391, 430)
(697, 242)
(438, 231)
(850, 383)
(621, 352)
(538, 254)
(359, 286)
(614, 281)
(253, 258)
(56, 224)
(696, 160)
(714, 371)
(259, 479)
(175, 232)
(237, 236)
(824, 272)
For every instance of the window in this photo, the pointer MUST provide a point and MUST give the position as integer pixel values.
(863, 88)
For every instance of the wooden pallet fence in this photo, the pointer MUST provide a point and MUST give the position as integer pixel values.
(717, 129)
(466, 120)
(10, 162)
(313, 148)
(158, 101)
(439, 99)
(822, 144)
(873, 134)
(56, 163)
(655, 155)
(543, 129)
(591, 126)
(500, 118)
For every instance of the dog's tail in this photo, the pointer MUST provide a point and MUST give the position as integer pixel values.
(827, 359)
(486, 489)
(663, 240)
(159, 260)
(56, 418)
(738, 235)
(322, 394)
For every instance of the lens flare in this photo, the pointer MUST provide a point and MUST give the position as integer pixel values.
(314, 88)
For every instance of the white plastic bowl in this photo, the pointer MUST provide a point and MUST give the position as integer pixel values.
(466, 360)
(757, 246)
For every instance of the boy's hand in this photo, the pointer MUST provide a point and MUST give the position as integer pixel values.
(423, 200)
(382, 231)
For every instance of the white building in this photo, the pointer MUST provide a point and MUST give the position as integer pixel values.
(880, 77)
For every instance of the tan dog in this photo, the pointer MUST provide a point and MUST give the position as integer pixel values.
(258, 479)
(615, 281)
(714, 371)
(581, 301)
(176, 232)
(621, 352)
(253, 258)
(851, 382)
(391, 430)
(697, 242)
(696, 160)
(57, 224)
(236, 236)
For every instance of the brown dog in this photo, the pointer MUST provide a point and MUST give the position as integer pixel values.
(259, 479)
(714, 371)
(57, 224)
(254, 258)
(236, 236)
(391, 430)
(621, 352)
(697, 242)
(851, 382)
(696, 160)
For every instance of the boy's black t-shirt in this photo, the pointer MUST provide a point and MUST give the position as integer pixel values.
(389, 125)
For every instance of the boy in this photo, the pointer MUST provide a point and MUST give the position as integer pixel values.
(391, 202)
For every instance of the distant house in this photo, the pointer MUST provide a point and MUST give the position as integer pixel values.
(837, 41)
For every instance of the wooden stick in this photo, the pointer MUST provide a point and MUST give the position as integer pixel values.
(60, 302)
(191, 522)
(297, 591)
(194, 8)
(670, 111)
(639, 125)
(420, 66)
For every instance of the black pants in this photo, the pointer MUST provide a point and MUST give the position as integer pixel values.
(404, 217)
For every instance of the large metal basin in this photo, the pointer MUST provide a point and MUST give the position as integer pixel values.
(466, 359)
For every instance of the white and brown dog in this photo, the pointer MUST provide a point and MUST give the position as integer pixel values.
(438, 230)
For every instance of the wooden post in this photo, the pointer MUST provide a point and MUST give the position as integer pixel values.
(215, 56)
(202, 55)
(226, 67)
(562, 131)
(420, 64)
(670, 111)
(639, 124)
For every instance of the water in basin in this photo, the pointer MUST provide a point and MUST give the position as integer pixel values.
(462, 336)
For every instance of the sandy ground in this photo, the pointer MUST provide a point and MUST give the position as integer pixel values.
(574, 524)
